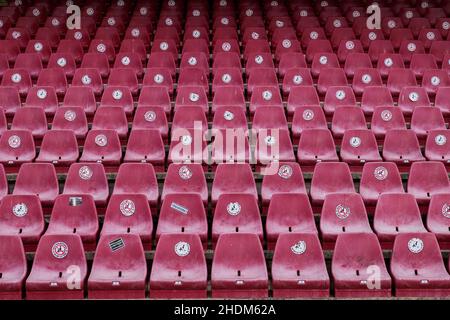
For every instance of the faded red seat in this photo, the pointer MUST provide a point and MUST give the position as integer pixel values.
(427, 178)
(425, 119)
(373, 97)
(9, 99)
(385, 118)
(438, 221)
(401, 146)
(346, 118)
(13, 264)
(436, 147)
(17, 146)
(32, 119)
(59, 147)
(336, 97)
(88, 77)
(98, 61)
(42, 97)
(118, 96)
(18, 78)
(102, 146)
(359, 146)
(316, 145)
(111, 118)
(71, 118)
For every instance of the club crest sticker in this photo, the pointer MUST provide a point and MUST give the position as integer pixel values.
(355, 142)
(226, 78)
(386, 115)
(38, 46)
(150, 116)
(446, 210)
(194, 97)
(125, 60)
(186, 140)
(297, 79)
(440, 139)
(60, 250)
(16, 78)
(158, 78)
(14, 141)
(117, 94)
(285, 171)
(164, 46)
(101, 48)
(413, 96)
(86, 79)
(270, 140)
(85, 173)
(185, 173)
(127, 207)
(226, 46)
(182, 249)
(380, 173)
(299, 247)
(228, 115)
(20, 209)
(101, 140)
(233, 208)
(415, 245)
(342, 212)
(70, 115)
(286, 43)
(267, 95)
(308, 115)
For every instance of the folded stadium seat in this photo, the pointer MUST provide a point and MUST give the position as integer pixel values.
(78, 96)
(330, 177)
(162, 60)
(330, 77)
(398, 35)
(42, 97)
(316, 145)
(364, 78)
(368, 36)
(261, 77)
(389, 23)
(57, 258)
(87, 178)
(321, 46)
(130, 61)
(302, 96)
(342, 213)
(323, 60)
(255, 48)
(359, 146)
(64, 61)
(18, 78)
(439, 49)
(342, 35)
(291, 60)
(438, 221)
(17, 147)
(233, 178)
(401, 146)
(119, 269)
(312, 33)
(352, 269)
(158, 76)
(399, 78)
(185, 178)
(417, 266)
(420, 62)
(345, 118)
(108, 33)
(428, 36)
(129, 213)
(112, 22)
(273, 145)
(179, 268)
(32, 119)
(408, 48)
(22, 215)
(113, 118)
(183, 213)
(151, 118)
(20, 35)
(286, 45)
(75, 214)
(378, 48)
(425, 119)
(135, 45)
(124, 77)
(265, 96)
(355, 61)
(71, 118)
(96, 60)
(197, 60)
(441, 100)
(163, 46)
(228, 96)
(348, 47)
(296, 77)
(90, 78)
(195, 45)
(436, 147)
(196, 32)
(31, 62)
(59, 147)
(229, 145)
(13, 264)
(118, 96)
(412, 97)
(396, 213)
(334, 22)
(102, 146)
(378, 178)
(336, 97)
(246, 276)
(433, 79)
(192, 96)
(427, 178)
(225, 40)
(442, 24)
(298, 267)
(307, 21)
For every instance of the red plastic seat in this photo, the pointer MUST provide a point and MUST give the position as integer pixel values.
(10, 48)
(429, 36)
(185, 178)
(158, 76)
(42, 97)
(90, 78)
(13, 264)
(342, 213)
(102, 146)
(53, 78)
(72, 47)
(64, 61)
(436, 147)
(136, 45)
(387, 62)
(162, 60)
(145, 145)
(195, 60)
(439, 49)
(49, 277)
(17, 146)
(330, 77)
(323, 60)
(273, 145)
(183, 213)
(330, 177)
(131, 61)
(163, 46)
(316, 145)
(108, 33)
(22, 215)
(442, 100)
(364, 78)
(261, 77)
(420, 62)
(18, 78)
(433, 79)
(338, 96)
(412, 97)
(385, 118)
(187, 145)
(129, 213)
(89, 178)
(401, 146)
(113, 118)
(20, 35)
(80, 35)
(378, 178)
(71, 118)
(399, 78)
(179, 267)
(352, 268)
(289, 61)
(98, 61)
(317, 46)
(77, 96)
(191, 96)
(417, 267)
(373, 97)
(247, 275)
(118, 96)
(119, 269)
(396, 213)
(345, 118)
(296, 77)
(59, 147)
(9, 100)
(265, 96)
(233, 178)
(298, 267)
(359, 146)
(31, 62)
(438, 221)
(307, 117)
(124, 77)
(378, 48)
(151, 118)
(410, 47)
(155, 96)
(368, 36)
(425, 119)
(232, 117)
(236, 213)
(427, 178)
(228, 96)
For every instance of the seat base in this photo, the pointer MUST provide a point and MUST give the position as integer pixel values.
(55, 295)
(421, 292)
(177, 294)
(116, 294)
(301, 293)
(362, 293)
(240, 294)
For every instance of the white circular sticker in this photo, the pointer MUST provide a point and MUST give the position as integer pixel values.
(192, 61)
(285, 171)
(169, 22)
(1, 23)
(14, 141)
(380, 173)
(286, 43)
(164, 46)
(323, 59)
(388, 62)
(270, 140)
(350, 45)
(274, 3)
(16, 34)
(337, 23)
(267, 95)
(303, 13)
(279, 23)
(36, 12)
(255, 35)
(233, 208)
(135, 32)
(435, 81)
(16, 78)
(186, 140)
(70, 115)
(38, 46)
(386, 115)
(55, 22)
(158, 78)
(415, 245)
(391, 24)
(226, 46)
(355, 142)
(120, 3)
(308, 115)
(41, 94)
(340, 94)
(127, 207)
(440, 139)
(20, 209)
(424, 5)
(409, 14)
(224, 21)
(185, 173)
(299, 247)
(125, 60)
(223, 3)
(182, 249)
(143, 11)
(431, 35)
(297, 79)
(412, 47)
(111, 21)
(85, 173)
(372, 36)
(226, 78)
(101, 140)
(366, 78)
(445, 25)
(117, 94)
(60, 250)
(196, 34)
(324, 4)
(171, 3)
(86, 79)
(90, 11)
(150, 116)
(61, 62)
(249, 12)
(259, 59)
(342, 212)
(228, 115)
(413, 96)
(194, 97)
(196, 13)
(314, 35)
(78, 35)
(446, 210)
(356, 14)
(101, 47)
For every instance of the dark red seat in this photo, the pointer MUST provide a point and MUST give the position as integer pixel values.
(59, 147)
(436, 146)
(102, 146)
(359, 146)
(316, 145)
(401, 146)
(17, 146)
(13, 264)
(438, 221)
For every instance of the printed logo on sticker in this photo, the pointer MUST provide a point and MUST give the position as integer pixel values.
(179, 208)
(85, 173)
(415, 245)
(20, 209)
(127, 207)
(299, 247)
(446, 210)
(285, 171)
(233, 208)
(342, 212)
(60, 250)
(380, 173)
(182, 248)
